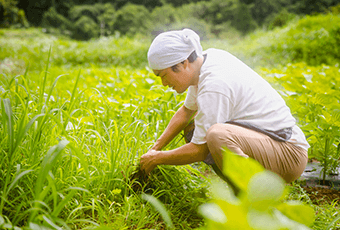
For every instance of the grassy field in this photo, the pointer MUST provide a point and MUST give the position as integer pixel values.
(76, 117)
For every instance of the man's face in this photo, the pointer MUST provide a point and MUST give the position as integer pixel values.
(178, 80)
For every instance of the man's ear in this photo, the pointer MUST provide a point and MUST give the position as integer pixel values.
(186, 63)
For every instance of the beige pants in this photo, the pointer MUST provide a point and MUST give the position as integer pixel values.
(283, 158)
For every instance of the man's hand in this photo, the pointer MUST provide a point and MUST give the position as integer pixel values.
(186, 154)
(149, 161)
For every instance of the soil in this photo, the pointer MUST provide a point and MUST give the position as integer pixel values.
(323, 195)
(319, 192)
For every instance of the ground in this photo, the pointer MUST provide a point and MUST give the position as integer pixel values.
(321, 195)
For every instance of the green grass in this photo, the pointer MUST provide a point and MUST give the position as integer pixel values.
(75, 118)
(71, 137)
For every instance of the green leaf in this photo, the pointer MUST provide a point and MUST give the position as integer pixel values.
(160, 208)
(230, 216)
(34, 226)
(48, 163)
(221, 192)
(298, 212)
(264, 190)
(213, 212)
(2, 221)
(240, 169)
(263, 220)
(333, 222)
(66, 199)
(289, 223)
(16, 179)
(7, 109)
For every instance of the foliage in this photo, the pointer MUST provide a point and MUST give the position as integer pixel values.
(11, 15)
(160, 208)
(280, 19)
(245, 14)
(86, 29)
(132, 19)
(32, 45)
(85, 21)
(261, 9)
(243, 20)
(313, 40)
(259, 204)
(102, 119)
(90, 11)
(313, 95)
(162, 18)
(95, 150)
(71, 135)
(52, 19)
(335, 9)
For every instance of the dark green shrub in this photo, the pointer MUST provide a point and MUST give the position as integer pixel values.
(335, 9)
(10, 15)
(264, 8)
(218, 11)
(90, 11)
(164, 15)
(85, 29)
(55, 20)
(243, 21)
(101, 14)
(106, 18)
(314, 40)
(279, 20)
(132, 19)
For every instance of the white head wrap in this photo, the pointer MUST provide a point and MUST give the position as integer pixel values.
(172, 47)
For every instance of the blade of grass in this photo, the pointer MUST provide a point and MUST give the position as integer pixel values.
(42, 91)
(16, 179)
(329, 227)
(160, 208)
(69, 196)
(47, 164)
(53, 85)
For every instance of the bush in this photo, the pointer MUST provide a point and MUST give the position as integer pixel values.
(162, 18)
(314, 40)
(279, 20)
(11, 15)
(107, 18)
(101, 14)
(90, 11)
(226, 31)
(85, 29)
(87, 21)
(243, 20)
(132, 19)
(52, 19)
(214, 12)
(335, 9)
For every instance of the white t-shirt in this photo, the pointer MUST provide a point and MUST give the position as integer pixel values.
(229, 90)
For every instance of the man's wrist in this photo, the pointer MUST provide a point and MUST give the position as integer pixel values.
(159, 158)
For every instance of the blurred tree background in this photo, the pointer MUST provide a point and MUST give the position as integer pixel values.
(86, 19)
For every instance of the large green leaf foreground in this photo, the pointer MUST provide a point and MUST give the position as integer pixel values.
(259, 205)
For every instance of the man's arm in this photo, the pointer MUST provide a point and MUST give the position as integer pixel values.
(177, 123)
(186, 154)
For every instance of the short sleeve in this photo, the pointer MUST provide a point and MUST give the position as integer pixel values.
(213, 108)
(191, 98)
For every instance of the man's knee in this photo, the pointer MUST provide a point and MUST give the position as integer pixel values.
(214, 133)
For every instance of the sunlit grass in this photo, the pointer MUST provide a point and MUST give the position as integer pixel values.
(73, 125)
(72, 137)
